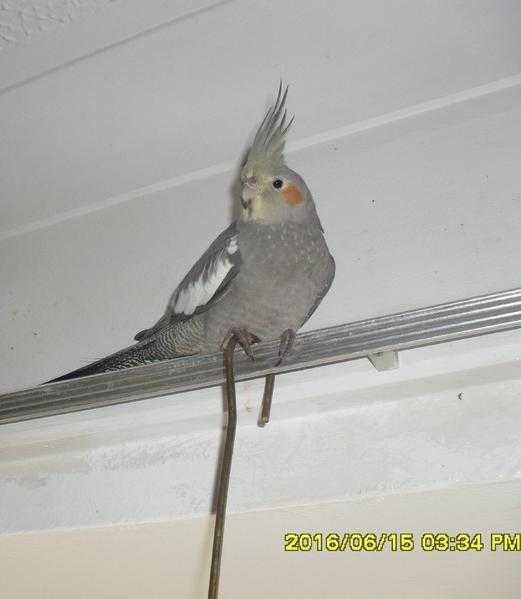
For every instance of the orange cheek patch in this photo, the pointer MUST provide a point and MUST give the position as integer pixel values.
(293, 195)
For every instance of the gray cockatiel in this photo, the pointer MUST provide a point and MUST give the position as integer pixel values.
(261, 278)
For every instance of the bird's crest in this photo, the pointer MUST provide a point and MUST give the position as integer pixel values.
(266, 151)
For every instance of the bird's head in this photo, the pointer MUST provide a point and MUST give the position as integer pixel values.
(271, 192)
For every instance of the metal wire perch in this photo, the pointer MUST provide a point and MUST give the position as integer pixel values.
(224, 478)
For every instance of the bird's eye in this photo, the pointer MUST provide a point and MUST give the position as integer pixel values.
(278, 183)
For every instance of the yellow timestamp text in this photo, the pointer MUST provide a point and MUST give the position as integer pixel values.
(401, 541)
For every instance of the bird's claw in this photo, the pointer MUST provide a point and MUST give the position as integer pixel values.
(244, 338)
(287, 340)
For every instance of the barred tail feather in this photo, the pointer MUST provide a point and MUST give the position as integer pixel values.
(135, 355)
(183, 338)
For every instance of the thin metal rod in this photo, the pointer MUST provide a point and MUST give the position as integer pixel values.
(266, 399)
(224, 477)
(451, 321)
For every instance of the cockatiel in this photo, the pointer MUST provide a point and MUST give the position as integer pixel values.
(261, 279)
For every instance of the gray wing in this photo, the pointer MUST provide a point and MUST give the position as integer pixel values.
(206, 282)
(323, 292)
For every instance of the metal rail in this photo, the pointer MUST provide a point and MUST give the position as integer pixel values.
(367, 338)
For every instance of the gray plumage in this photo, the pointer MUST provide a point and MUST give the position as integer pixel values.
(266, 273)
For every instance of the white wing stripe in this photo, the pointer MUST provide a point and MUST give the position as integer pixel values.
(182, 299)
(233, 245)
(199, 291)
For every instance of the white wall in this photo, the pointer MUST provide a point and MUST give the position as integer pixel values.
(448, 417)
(119, 141)
(171, 559)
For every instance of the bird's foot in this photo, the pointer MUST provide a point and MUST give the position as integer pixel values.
(287, 340)
(244, 338)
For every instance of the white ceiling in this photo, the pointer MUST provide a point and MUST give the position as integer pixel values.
(24, 21)
(68, 31)
(129, 94)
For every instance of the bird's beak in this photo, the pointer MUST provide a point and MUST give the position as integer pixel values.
(245, 203)
(251, 182)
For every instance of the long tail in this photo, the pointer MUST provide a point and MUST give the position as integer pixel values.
(135, 355)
